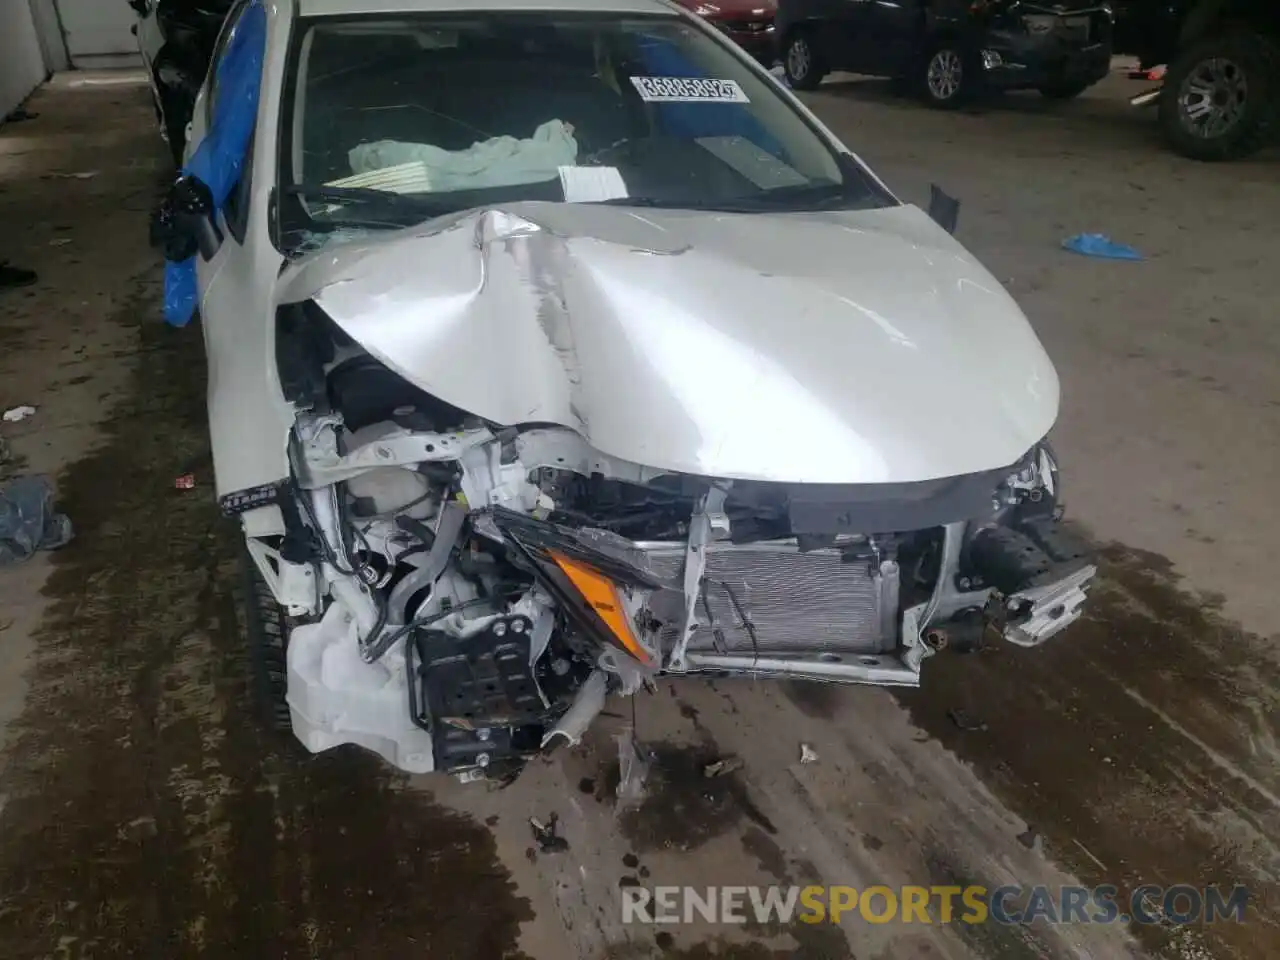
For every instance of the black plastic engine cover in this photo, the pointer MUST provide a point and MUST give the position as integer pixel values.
(482, 681)
(476, 694)
(1006, 559)
(1056, 540)
(1012, 559)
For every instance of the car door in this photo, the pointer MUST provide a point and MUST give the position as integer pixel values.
(850, 20)
(889, 35)
(209, 106)
(249, 419)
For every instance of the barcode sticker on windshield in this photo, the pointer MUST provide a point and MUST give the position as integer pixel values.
(688, 90)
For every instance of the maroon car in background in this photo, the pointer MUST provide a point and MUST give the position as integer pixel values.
(748, 23)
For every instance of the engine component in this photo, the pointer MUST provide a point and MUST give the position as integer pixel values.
(1007, 559)
(524, 593)
(771, 597)
(586, 707)
(1043, 592)
(477, 695)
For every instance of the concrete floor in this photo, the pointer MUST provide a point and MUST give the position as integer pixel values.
(142, 813)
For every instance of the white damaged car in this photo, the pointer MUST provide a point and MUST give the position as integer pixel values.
(555, 349)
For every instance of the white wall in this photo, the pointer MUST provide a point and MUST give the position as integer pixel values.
(21, 62)
(98, 32)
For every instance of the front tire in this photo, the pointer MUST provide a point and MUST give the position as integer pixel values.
(268, 636)
(1219, 100)
(802, 62)
(950, 78)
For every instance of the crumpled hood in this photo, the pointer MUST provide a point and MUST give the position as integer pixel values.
(843, 347)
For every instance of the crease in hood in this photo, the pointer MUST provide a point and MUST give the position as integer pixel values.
(834, 347)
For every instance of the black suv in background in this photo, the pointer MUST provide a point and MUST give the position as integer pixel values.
(176, 39)
(1220, 97)
(951, 50)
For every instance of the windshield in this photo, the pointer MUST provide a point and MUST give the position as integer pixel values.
(392, 120)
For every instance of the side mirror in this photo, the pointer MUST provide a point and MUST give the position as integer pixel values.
(183, 225)
(943, 210)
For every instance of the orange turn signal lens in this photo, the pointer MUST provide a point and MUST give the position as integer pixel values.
(602, 596)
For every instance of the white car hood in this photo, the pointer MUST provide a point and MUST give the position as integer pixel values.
(844, 347)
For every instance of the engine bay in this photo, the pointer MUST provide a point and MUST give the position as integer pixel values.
(463, 595)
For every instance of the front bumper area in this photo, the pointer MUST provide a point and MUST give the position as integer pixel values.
(1016, 59)
(756, 37)
(1029, 616)
(771, 609)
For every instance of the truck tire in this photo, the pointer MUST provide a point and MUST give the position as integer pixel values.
(1221, 96)
(268, 636)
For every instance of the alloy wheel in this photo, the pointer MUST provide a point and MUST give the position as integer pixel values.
(799, 58)
(1213, 97)
(945, 75)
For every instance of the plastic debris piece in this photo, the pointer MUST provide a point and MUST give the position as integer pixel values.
(1029, 837)
(722, 767)
(966, 721)
(548, 840)
(83, 175)
(808, 754)
(185, 482)
(60, 242)
(16, 414)
(16, 276)
(944, 209)
(1100, 245)
(28, 521)
(633, 769)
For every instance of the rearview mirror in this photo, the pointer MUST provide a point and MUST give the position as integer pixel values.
(183, 225)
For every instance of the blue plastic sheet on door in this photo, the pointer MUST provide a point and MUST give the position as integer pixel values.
(220, 157)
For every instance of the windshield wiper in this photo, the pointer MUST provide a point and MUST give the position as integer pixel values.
(401, 202)
(793, 199)
(801, 197)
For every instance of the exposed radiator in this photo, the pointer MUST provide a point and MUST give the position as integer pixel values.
(794, 602)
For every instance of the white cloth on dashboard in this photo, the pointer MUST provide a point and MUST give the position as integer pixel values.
(499, 162)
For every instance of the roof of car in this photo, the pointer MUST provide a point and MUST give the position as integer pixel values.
(329, 8)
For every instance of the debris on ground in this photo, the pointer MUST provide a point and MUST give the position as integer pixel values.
(808, 754)
(966, 721)
(633, 768)
(17, 116)
(944, 210)
(1029, 837)
(1100, 245)
(82, 175)
(16, 276)
(548, 840)
(28, 521)
(60, 242)
(722, 767)
(185, 482)
(14, 414)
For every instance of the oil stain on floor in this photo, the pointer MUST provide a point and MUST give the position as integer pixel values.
(146, 815)
(1141, 747)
